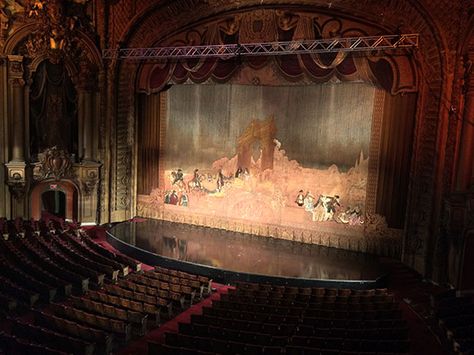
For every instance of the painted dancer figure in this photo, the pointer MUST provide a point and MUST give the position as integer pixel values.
(300, 198)
(220, 180)
(309, 201)
(183, 200)
(195, 182)
(177, 176)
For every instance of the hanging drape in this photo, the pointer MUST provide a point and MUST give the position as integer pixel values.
(53, 109)
(318, 68)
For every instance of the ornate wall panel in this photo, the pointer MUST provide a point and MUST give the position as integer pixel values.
(35, 34)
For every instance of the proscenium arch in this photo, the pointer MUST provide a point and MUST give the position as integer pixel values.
(426, 186)
(22, 33)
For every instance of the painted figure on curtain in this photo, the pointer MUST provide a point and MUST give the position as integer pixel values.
(311, 166)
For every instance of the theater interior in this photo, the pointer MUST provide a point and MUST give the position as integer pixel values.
(237, 177)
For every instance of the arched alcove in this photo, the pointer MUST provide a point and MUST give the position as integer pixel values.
(66, 188)
(53, 203)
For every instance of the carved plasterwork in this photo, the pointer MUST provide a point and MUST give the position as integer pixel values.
(87, 78)
(15, 70)
(55, 163)
(9, 10)
(16, 178)
(56, 167)
(54, 30)
(90, 181)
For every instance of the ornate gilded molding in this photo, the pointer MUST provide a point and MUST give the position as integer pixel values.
(55, 163)
(16, 178)
(87, 78)
(16, 70)
(90, 181)
(9, 11)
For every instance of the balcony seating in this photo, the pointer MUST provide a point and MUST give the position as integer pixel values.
(125, 260)
(138, 320)
(16, 346)
(120, 328)
(49, 338)
(47, 292)
(19, 261)
(268, 319)
(456, 321)
(147, 308)
(82, 248)
(102, 339)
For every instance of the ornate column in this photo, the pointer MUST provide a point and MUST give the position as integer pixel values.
(465, 171)
(4, 138)
(17, 113)
(87, 85)
(458, 226)
(16, 167)
(88, 171)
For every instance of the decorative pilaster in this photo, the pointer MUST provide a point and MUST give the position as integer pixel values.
(87, 86)
(465, 173)
(16, 167)
(457, 224)
(17, 113)
(16, 178)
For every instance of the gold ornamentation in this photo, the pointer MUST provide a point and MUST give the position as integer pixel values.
(90, 183)
(54, 163)
(16, 178)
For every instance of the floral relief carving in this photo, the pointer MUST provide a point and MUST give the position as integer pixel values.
(55, 163)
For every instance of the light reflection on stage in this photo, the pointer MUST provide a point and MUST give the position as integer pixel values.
(244, 253)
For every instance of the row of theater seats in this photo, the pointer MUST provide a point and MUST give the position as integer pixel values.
(455, 317)
(63, 293)
(270, 319)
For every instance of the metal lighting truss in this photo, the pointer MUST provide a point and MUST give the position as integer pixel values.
(348, 44)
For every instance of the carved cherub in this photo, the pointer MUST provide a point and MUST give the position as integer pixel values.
(36, 7)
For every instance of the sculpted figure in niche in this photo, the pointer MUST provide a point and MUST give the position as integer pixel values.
(53, 110)
(4, 21)
(227, 31)
(287, 22)
(8, 12)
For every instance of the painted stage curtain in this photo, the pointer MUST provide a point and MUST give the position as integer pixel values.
(317, 125)
(317, 68)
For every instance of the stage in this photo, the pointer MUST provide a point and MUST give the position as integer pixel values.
(227, 256)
